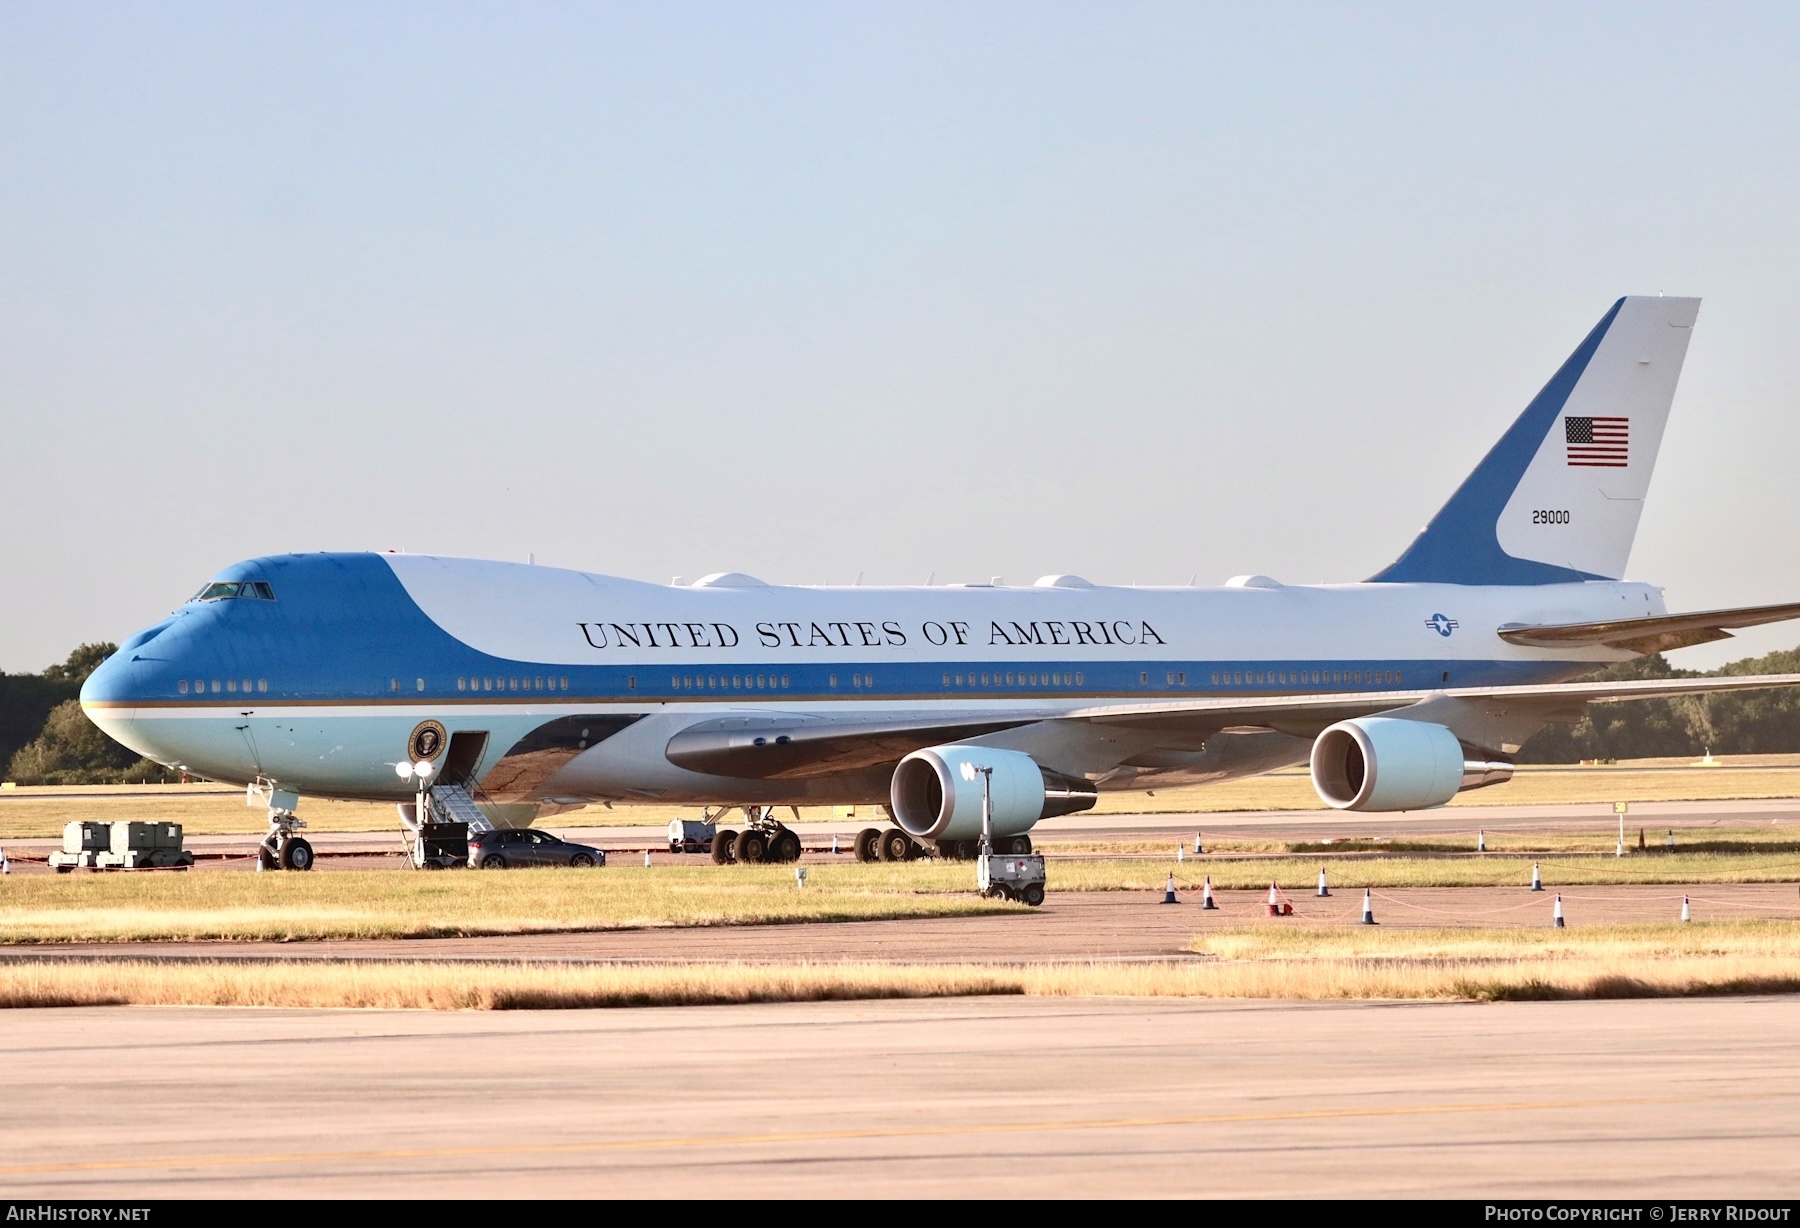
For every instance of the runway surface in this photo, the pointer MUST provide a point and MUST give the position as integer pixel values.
(997, 1097)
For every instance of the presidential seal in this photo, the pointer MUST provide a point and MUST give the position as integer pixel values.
(427, 741)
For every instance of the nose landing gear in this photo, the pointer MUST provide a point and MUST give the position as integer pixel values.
(282, 847)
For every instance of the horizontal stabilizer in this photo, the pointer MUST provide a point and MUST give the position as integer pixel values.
(1647, 635)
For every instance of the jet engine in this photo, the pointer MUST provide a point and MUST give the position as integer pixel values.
(933, 801)
(1384, 763)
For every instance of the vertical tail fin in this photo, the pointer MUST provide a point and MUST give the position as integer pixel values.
(1558, 498)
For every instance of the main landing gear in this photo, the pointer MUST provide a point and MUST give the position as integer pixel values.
(890, 844)
(764, 839)
(969, 850)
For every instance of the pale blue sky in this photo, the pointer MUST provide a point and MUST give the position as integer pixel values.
(1136, 291)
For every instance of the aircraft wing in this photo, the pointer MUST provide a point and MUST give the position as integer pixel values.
(776, 747)
(1306, 715)
(1659, 633)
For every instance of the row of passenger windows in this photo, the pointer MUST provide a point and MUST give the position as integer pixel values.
(1302, 677)
(1053, 679)
(769, 682)
(730, 682)
(502, 684)
(230, 686)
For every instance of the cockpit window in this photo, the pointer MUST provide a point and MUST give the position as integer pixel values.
(224, 590)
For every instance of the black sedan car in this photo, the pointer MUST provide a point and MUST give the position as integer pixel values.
(525, 846)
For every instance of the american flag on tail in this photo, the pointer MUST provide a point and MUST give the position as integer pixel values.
(1598, 443)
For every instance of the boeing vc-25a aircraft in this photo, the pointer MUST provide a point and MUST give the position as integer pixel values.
(528, 689)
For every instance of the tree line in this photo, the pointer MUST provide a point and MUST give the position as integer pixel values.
(1746, 723)
(46, 739)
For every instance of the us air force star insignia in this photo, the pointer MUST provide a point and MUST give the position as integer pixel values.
(1440, 624)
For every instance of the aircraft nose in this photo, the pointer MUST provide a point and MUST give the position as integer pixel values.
(132, 673)
(111, 683)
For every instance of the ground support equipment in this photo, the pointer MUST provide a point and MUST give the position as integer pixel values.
(691, 835)
(1003, 876)
(441, 846)
(83, 842)
(1010, 876)
(122, 845)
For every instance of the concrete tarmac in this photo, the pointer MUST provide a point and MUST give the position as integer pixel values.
(990, 1097)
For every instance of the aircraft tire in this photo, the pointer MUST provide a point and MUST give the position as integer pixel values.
(868, 842)
(751, 848)
(1018, 846)
(296, 854)
(786, 846)
(896, 845)
(266, 859)
(723, 841)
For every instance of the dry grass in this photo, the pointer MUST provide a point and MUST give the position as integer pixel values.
(1659, 941)
(1482, 965)
(436, 986)
(391, 904)
(200, 809)
(1766, 840)
(395, 904)
(1491, 870)
(1618, 961)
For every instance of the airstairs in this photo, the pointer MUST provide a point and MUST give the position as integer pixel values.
(452, 804)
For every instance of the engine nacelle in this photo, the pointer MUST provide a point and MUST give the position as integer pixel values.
(1384, 763)
(932, 801)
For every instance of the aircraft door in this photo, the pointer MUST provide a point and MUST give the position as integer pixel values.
(463, 759)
